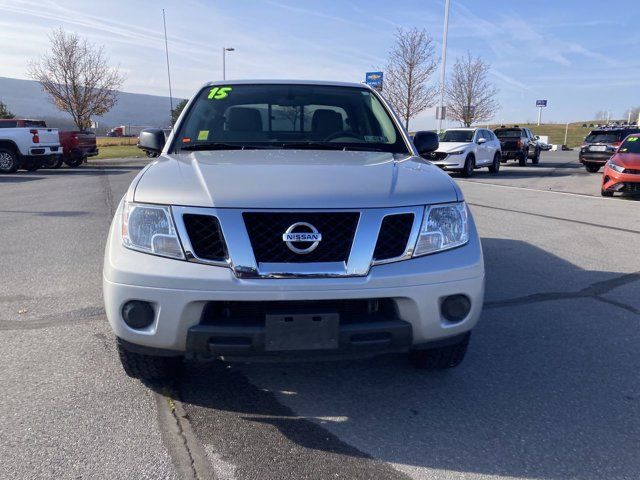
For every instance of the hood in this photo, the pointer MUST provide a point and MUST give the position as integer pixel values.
(628, 160)
(293, 179)
(452, 146)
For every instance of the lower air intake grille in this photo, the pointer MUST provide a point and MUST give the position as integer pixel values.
(631, 188)
(206, 237)
(266, 229)
(394, 235)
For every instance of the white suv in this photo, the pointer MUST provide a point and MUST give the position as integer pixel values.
(465, 149)
(290, 219)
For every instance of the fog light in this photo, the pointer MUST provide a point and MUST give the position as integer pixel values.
(138, 314)
(455, 308)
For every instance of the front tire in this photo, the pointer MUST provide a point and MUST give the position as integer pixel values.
(8, 161)
(469, 165)
(592, 167)
(148, 367)
(440, 358)
(606, 193)
(494, 168)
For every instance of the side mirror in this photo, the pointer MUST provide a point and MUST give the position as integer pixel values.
(152, 140)
(481, 141)
(426, 142)
(537, 137)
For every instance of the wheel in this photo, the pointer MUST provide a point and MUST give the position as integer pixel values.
(592, 167)
(606, 193)
(440, 358)
(536, 157)
(74, 162)
(52, 161)
(494, 168)
(151, 154)
(32, 166)
(523, 159)
(148, 367)
(469, 165)
(8, 161)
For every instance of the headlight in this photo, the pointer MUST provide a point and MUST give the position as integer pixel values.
(443, 227)
(616, 167)
(150, 229)
(457, 152)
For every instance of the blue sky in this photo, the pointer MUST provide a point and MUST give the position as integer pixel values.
(581, 55)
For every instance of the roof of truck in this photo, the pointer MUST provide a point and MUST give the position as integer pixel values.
(287, 82)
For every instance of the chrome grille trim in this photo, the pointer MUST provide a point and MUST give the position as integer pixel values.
(242, 260)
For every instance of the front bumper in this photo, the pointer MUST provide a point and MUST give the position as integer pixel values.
(451, 162)
(179, 292)
(620, 182)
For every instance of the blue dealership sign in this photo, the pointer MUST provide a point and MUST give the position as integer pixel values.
(374, 80)
(541, 103)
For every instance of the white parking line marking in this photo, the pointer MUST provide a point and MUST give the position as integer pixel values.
(488, 184)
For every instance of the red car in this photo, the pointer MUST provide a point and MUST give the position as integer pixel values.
(622, 171)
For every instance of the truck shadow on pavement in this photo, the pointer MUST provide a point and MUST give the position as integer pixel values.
(543, 169)
(549, 388)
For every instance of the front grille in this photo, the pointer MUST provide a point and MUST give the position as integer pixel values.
(436, 156)
(266, 229)
(631, 171)
(206, 237)
(254, 313)
(631, 188)
(393, 237)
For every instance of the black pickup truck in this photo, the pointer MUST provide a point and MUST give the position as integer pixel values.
(518, 143)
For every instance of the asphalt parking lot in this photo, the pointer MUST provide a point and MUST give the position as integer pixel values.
(549, 389)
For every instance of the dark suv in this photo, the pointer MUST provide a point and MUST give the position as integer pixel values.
(601, 144)
(518, 143)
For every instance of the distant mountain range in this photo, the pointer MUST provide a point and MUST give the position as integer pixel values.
(25, 98)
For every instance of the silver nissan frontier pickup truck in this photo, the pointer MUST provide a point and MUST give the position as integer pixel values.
(290, 220)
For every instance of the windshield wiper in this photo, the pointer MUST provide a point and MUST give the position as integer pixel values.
(328, 146)
(219, 146)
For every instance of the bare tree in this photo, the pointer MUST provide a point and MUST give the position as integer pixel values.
(601, 115)
(77, 77)
(471, 97)
(4, 111)
(410, 65)
(633, 114)
(292, 113)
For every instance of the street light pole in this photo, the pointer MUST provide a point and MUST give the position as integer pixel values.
(444, 61)
(224, 52)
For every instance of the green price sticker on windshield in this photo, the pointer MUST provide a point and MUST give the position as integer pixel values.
(633, 139)
(218, 93)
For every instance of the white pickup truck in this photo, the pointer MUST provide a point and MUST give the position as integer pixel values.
(26, 144)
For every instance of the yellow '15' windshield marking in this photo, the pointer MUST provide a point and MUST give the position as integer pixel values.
(218, 93)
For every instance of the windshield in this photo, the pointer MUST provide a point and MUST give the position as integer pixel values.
(630, 145)
(603, 137)
(508, 133)
(457, 136)
(288, 116)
